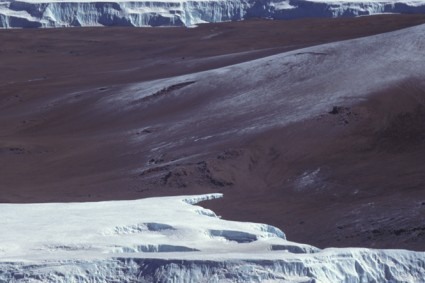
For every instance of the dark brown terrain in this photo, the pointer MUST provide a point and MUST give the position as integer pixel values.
(58, 145)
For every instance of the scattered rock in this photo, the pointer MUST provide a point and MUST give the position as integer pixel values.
(17, 150)
(165, 91)
(156, 160)
(206, 172)
(339, 110)
(229, 154)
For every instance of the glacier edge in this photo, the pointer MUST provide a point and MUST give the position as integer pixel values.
(44, 14)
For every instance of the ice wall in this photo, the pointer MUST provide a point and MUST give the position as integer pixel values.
(184, 13)
(333, 265)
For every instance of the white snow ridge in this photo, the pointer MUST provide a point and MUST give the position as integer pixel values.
(167, 239)
(65, 13)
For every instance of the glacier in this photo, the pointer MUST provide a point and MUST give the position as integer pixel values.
(73, 13)
(171, 239)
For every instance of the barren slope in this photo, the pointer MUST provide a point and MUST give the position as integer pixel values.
(153, 112)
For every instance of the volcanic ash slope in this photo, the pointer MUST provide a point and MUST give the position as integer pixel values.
(274, 91)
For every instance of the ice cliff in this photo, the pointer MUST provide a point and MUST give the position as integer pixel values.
(60, 13)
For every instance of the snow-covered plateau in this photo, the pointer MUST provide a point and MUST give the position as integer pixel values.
(65, 13)
(170, 239)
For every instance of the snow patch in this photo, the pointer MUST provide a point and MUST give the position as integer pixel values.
(308, 180)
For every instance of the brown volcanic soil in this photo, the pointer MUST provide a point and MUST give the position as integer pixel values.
(370, 156)
(354, 178)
